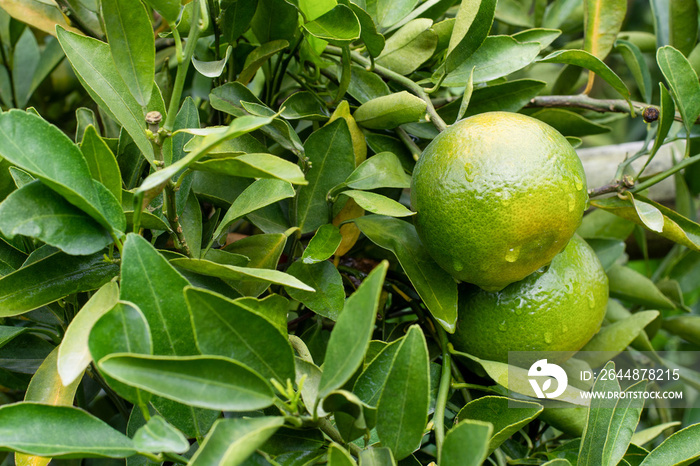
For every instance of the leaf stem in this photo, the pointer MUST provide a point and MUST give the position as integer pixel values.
(443, 392)
(409, 143)
(328, 429)
(386, 73)
(183, 65)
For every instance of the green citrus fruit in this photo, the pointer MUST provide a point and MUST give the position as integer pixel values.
(497, 196)
(559, 309)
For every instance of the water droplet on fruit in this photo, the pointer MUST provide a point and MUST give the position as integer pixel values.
(578, 183)
(469, 172)
(591, 300)
(543, 269)
(513, 254)
(548, 337)
(502, 326)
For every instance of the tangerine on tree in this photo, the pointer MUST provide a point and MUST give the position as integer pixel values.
(498, 195)
(559, 309)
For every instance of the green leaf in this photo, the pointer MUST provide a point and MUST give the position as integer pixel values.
(303, 105)
(614, 338)
(466, 444)
(388, 112)
(402, 412)
(683, 25)
(26, 138)
(51, 278)
(150, 282)
(637, 65)
(683, 80)
(102, 162)
(365, 86)
(377, 456)
(273, 20)
(159, 436)
(273, 307)
(236, 17)
(666, 118)
(214, 68)
(378, 204)
(506, 415)
(542, 36)
(630, 285)
(339, 456)
(323, 244)
(202, 381)
(498, 56)
(24, 64)
(650, 433)
(603, 20)
(332, 159)
(510, 96)
(191, 223)
(676, 227)
(686, 327)
(93, 64)
(224, 328)
(124, 328)
(132, 45)
(559, 11)
(264, 251)
(386, 13)
(231, 441)
(235, 273)
(472, 25)
(586, 60)
(409, 47)
(569, 123)
(329, 297)
(368, 31)
(338, 26)
(383, 170)
(611, 422)
(369, 385)
(74, 354)
(436, 287)
(36, 211)
(352, 332)
(254, 166)
(608, 250)
(59, 432)
(238, 127)
(168, 9)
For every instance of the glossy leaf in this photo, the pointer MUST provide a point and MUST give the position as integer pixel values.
(378, 204)
(637, 65)
(36, 211)
(150, 282)
(330, 151)
(666, 119)
(611, 423)
(231, 441)
(437, 288)
(254, 166)
(402, 412)
(329, 297)
(74, 354)
(273, 20)
(59, 431)
(683, 25)
(339, 456)
(679, 448)
(235, 273)
(614, 338)
(43, 16)
(650, 433)
(608, 250)
(124, 328)
(586, 60)
(168, 9)
(304, 105)
(388, 112)
(506, 415)
(569, 123)
(339, 26)
(683, 80)
(628, 284)
(472, 25)
(236, 17)
(603, 20)
(352, 332)
(214, 68)
(273, 307)
(158, 436)
(224, 328)
(240, 126)
(24, 140)
(202, 381)
(365, 86)
(368, 31)
(130, 35)
(102, 162)
(51, 278)
(377, 456)
(191, 224)
(24, 64)
(675, 227)
(409, 47)
(323, 244)
(466, 443)
(383, 170)
(92, 62)
(685, 326)
(498, 56)
(387, 12)
(542, 36)
(369, 385)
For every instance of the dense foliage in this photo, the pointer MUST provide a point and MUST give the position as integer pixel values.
(206, 247)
